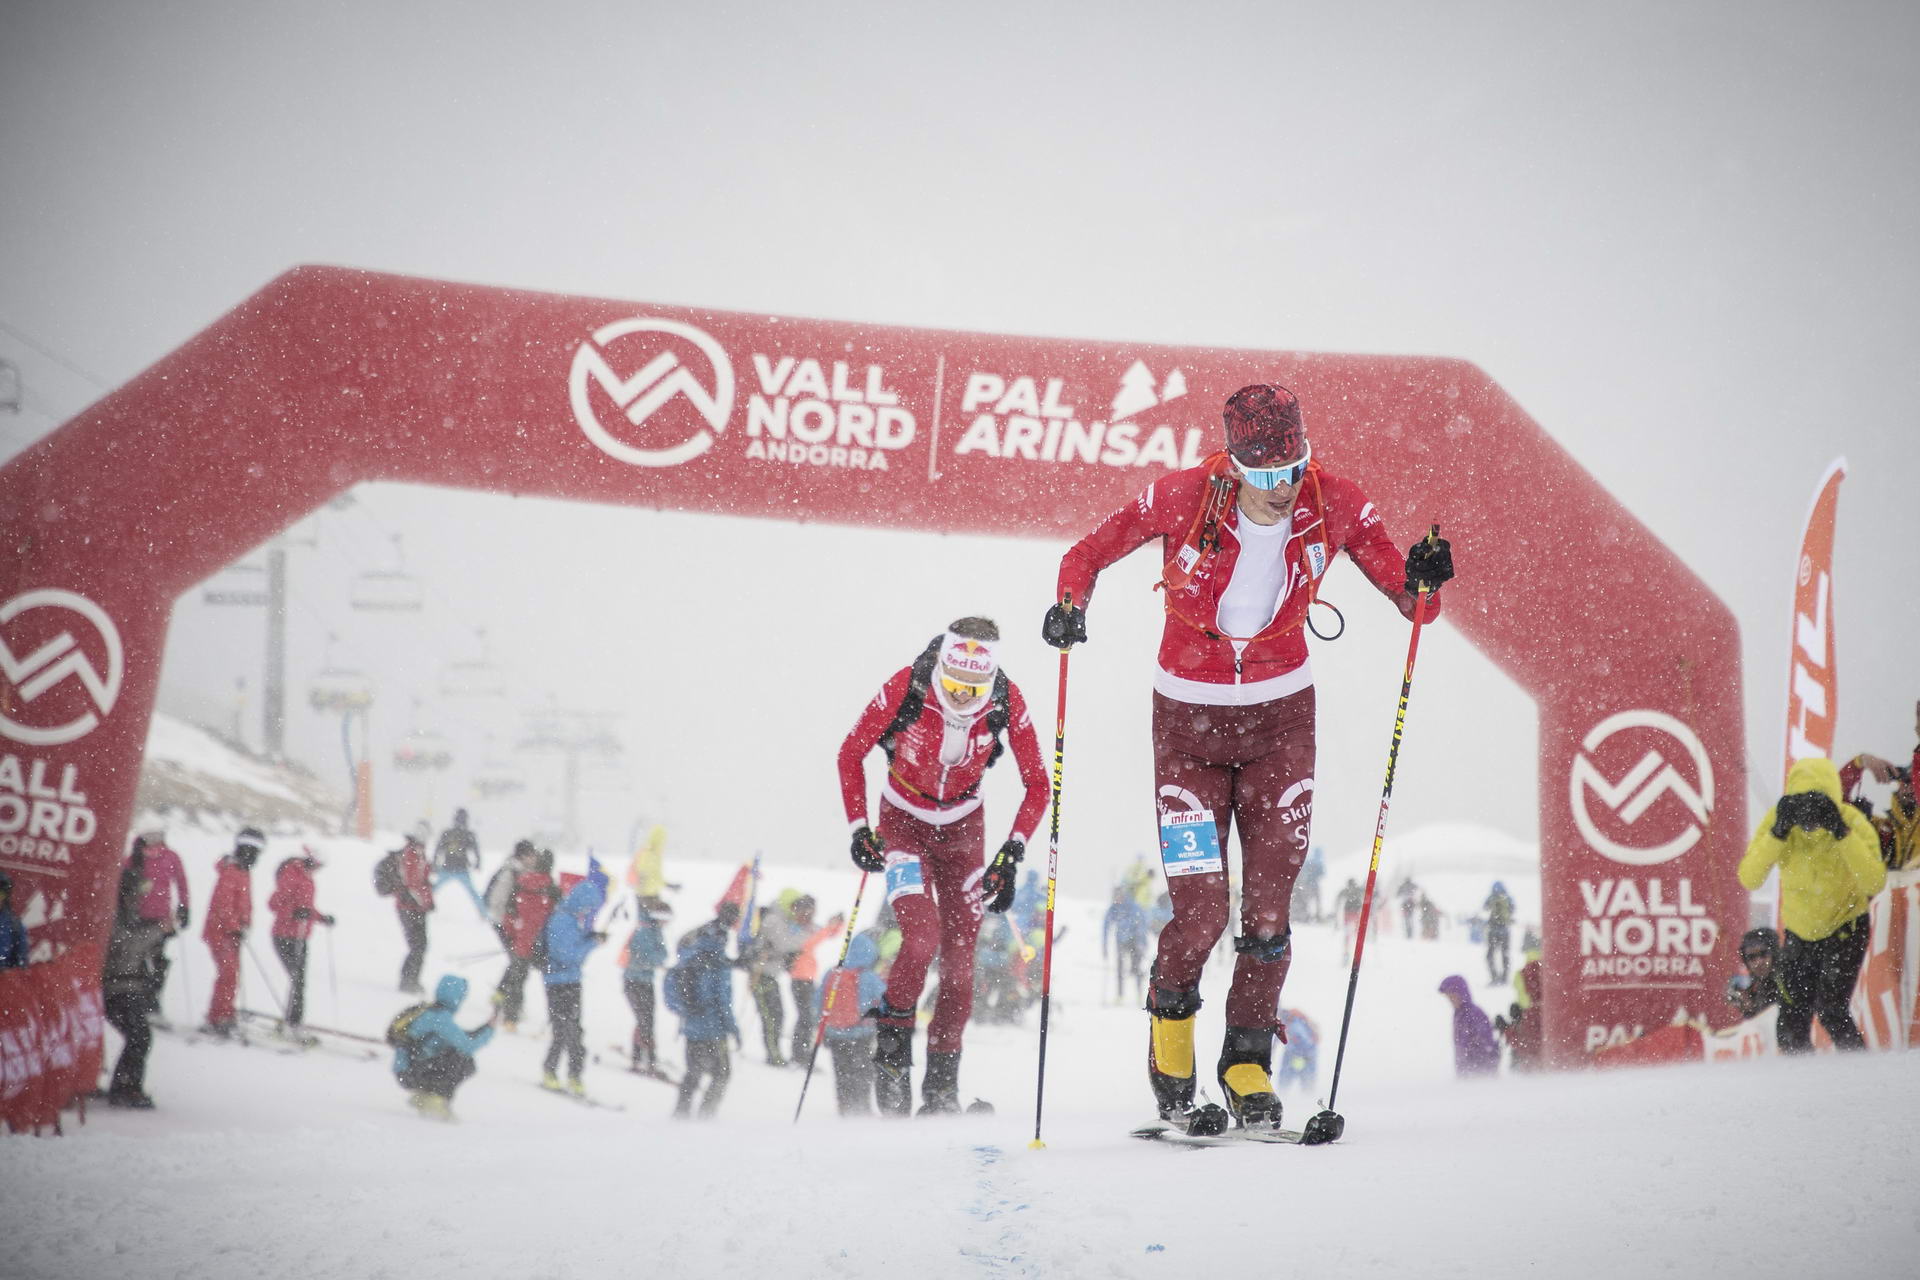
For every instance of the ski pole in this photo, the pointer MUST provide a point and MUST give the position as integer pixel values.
(1327, 1126)
(1053, 877)
(833, 988)
(333, 978)
(267, 979)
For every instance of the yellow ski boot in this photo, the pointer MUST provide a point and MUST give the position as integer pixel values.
(551, 1082)
(1245, 1059)
(1170, 1063)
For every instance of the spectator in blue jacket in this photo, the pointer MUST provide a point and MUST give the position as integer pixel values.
(1029, 903)
(435, 1054)
(1300, 1055)
(849, 991)
(570, 937)
(13, 934)
(700, 989)
(1126, 923)
(646, 951)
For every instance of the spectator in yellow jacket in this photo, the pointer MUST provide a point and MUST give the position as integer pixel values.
(1830, 868)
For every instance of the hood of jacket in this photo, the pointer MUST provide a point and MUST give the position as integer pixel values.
(1816, 773)
(585, 899)
(1455, 985)
(450, 991)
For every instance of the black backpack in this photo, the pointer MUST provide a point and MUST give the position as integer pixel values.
(386, 875)
(920, 684)
(400, 1030)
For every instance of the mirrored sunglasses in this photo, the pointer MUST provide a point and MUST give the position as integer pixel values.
(962, 689)
(1272, 477)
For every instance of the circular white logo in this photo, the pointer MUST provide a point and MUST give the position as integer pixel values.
(660, 381)
(1636, 792)
(46, 664)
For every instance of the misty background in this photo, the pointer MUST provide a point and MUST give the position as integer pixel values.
(1681, 236)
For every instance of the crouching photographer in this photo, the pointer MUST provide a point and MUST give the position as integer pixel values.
(1829, 860)
(1756, 990)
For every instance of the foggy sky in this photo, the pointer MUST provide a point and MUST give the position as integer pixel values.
(1682, 236)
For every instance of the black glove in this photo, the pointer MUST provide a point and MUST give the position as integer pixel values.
(1429, 564)
(301, 913)
(997, 885)
(327, 921)
(181, 916)
(868, 853)
(1065, 626)
(1810, 811)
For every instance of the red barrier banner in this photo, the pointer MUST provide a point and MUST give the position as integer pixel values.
(52, 1036)
(330, 377)
(1813, 688)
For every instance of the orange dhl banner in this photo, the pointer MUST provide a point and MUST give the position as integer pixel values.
(1812, 688)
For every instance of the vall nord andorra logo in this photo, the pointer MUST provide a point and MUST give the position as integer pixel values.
(1629, 800)
(672, 409)
(50, 643)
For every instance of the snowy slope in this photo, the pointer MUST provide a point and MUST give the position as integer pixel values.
(260, 1163)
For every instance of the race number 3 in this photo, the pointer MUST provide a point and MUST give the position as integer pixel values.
(1189, 843)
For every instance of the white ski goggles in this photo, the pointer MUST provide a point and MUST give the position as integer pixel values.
(1273, 477)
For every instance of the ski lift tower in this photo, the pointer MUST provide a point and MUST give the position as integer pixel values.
(349, 693)
(575, 736)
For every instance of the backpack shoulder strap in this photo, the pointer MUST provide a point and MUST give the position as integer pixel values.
(919, 682)
(998, 715)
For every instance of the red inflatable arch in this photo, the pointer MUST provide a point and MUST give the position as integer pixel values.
(329, 377)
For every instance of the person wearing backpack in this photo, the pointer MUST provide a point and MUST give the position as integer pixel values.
(412, 889)
(699, 988)
(939, 721)
(570, 937)
(432, 1053)
(525, 926)
(849, 991)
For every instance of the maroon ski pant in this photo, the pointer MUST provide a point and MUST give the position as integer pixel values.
(1252, 766)
(933, 882)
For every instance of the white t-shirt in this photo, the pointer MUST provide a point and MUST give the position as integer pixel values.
(1254, 593)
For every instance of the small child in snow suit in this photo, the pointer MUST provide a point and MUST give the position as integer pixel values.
(1475, 1051)
(700, 989)
(434, 1054)
(849, 991)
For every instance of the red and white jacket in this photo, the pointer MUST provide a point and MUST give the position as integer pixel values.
(923, 783)
(1197, 662)
(292, 901)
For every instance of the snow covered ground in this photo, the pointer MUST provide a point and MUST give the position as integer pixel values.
(262, 1163)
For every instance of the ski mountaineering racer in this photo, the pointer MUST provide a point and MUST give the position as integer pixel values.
(1247, 536)
(939, 720)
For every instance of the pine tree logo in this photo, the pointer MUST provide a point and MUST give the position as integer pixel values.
(1140, 390)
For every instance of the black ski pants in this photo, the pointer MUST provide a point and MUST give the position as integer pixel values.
(709, 1059)
(513, 988)
(803, 1018)
(128, 1015)
(766, 998)
(439, 1075)
(853, 1074)
(1817, 979)
(563, 1012)
(640, 1000)
(413, 926)
(293, 954)
(1497, 961)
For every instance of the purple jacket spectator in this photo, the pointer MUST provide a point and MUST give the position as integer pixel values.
(1475, 1051)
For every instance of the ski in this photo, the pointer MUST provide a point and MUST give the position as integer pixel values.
(581, 1099)
(308, 1026)
(1168, 1134)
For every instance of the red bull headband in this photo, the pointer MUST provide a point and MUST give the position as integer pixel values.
(975, 658)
